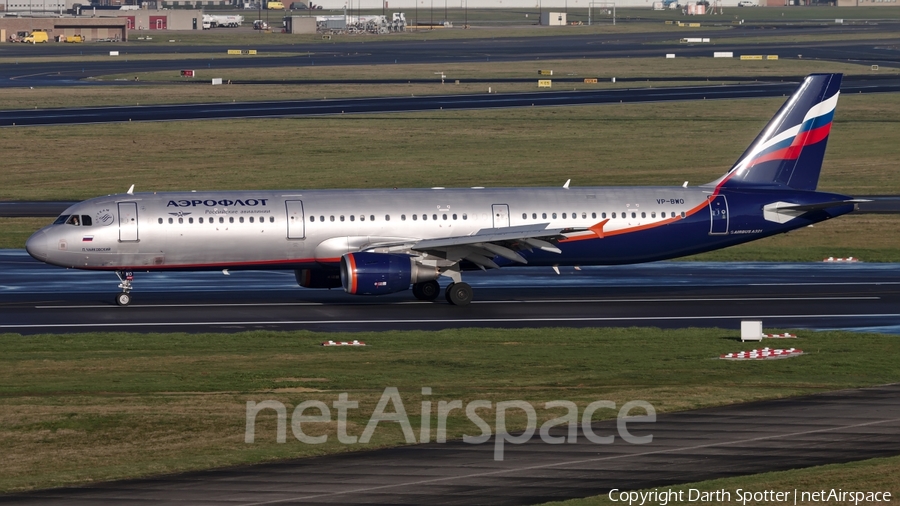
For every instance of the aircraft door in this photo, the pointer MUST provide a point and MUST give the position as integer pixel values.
(718, 214)
(296, 228)
(501, 215)
(128, 222)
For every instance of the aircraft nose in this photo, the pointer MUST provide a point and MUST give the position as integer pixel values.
(36, 245)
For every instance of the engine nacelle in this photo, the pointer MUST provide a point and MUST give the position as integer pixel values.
(366, 273)
(318, 278)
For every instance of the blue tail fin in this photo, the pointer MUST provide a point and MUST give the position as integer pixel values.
(789, 151)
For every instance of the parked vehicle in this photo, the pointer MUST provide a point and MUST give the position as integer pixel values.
(37, 37)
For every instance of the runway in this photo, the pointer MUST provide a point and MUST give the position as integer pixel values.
(883, 51)
(38, 298)
(686, 447)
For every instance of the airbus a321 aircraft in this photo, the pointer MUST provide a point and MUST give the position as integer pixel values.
(374, 242)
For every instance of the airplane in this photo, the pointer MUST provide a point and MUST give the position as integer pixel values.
(374, 242)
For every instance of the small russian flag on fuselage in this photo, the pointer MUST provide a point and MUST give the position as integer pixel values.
(87, 238)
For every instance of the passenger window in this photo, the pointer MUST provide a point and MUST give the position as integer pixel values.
(543, 216)
(171, 221)
(271, 219)
(160, 221)
(445, 217)
(402, 217)
(221, 219)
(415, 217)
(362, 217)
(199, 220)
(251, 219)
(602, 215)
(524, 216)
(563, 215)
(465, 217)
(554, 216)
(454, 217)
(682, 214)
(180, 221)
(312, 219)
(434, 217)
(614, 215)
(643, 215)
(584, 215)
(191, 220)
(331, 218)
(633, 214)
(86, 221)
(231, 219)
(342, 217)
(241, 219)
(387, 217)
(371, 217)
(653, 215)
(533, 216)
(424, 217)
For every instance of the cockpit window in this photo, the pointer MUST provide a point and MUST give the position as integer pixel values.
(62, 219)
(74, 220)
(86, 221)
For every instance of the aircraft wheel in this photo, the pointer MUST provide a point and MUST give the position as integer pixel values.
(459, 294)
(123, 299)
(428, 290)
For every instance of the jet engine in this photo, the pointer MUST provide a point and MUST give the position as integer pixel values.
(364, 273)
(318, 278)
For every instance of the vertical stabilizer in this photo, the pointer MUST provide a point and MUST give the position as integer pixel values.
(789, 151)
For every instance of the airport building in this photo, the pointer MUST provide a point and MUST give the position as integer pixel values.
(92, 29)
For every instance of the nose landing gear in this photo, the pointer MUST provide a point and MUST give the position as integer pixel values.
(126, 277)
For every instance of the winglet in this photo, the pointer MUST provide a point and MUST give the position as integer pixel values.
(131, 190)
(566, 186)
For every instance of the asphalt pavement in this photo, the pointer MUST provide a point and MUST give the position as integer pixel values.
(686, 447)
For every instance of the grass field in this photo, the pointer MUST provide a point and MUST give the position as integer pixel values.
(81, 408)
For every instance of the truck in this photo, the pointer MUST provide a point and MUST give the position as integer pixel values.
(275, 6)
(37, 37)
(74, 38)
(215, 21)
(260, 25)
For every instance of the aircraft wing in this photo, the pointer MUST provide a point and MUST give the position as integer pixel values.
(480, 247)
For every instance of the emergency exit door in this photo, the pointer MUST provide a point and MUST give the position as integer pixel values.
(296, 225)
(501, 215)
(128, 222)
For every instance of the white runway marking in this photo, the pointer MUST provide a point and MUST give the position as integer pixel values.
(448, 320)
(548, 301)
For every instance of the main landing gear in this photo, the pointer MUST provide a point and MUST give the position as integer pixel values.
(459, 294)
(427, 290)
(126, 277)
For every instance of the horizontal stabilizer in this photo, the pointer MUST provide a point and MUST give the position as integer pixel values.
(783, 212)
